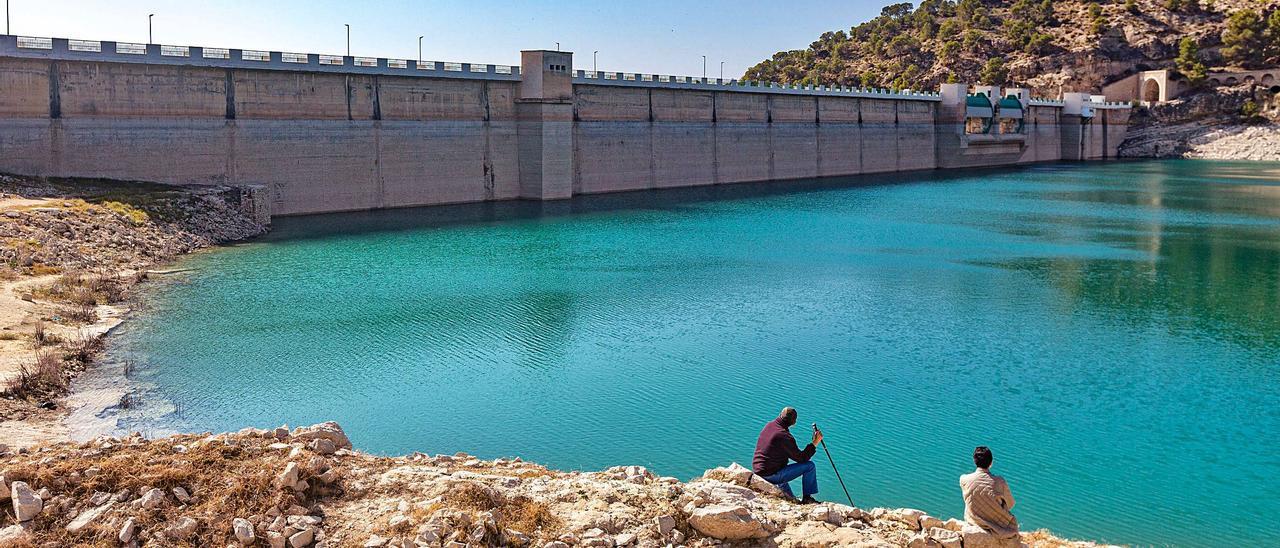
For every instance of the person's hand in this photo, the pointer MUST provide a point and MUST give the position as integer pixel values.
(817, 436)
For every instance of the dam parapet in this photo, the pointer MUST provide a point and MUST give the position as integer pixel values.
(322, 133)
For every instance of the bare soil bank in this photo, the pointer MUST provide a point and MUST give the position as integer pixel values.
(70, 253)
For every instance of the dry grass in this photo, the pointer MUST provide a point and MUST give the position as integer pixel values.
(226, 481)
(44, 375)
(523, 514)
(86, 289)
(42, 337)
(10, 335)
(136, 216)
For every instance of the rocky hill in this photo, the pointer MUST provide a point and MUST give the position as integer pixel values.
(307, 487)
(1046, 45)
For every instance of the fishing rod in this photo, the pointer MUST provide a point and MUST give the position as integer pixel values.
(833, 465)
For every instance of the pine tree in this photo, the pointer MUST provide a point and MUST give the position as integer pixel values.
(1188, 60)
(994, 72)
(1243, 40)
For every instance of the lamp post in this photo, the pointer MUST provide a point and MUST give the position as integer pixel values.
(6, 17)
(150, 39)
(348, 25)
(419, 50)
(557, 46)
(594, 66)
(704, 67)
(722, 70)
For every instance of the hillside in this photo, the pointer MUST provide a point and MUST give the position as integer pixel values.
(1042, 44)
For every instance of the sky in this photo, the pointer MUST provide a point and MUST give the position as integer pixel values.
(657, 36)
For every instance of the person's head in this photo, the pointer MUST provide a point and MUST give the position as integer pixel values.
(982, 456)
(787, 417)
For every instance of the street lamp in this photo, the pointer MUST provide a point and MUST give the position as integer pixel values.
(6, 17)
(722, 70)
(419, 50)
(594, 66)
(348, 39)
(150, 40)
(704, 67)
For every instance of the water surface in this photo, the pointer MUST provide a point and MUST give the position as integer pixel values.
(1109, 329)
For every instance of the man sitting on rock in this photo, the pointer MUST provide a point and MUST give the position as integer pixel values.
(776, 446)
(987, 500)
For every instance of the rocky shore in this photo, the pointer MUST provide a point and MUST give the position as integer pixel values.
(71, 251)
(1228, 123)
(308, 487)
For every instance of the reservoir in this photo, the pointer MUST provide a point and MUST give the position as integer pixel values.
(1110, 330)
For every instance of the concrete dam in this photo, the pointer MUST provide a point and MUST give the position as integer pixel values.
(321, 133)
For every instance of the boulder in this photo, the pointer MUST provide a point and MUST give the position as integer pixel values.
(909, 516)
(946, 537)
(665, 525)
(727, 522)
(127, 530)
(323, 446)
(152, 499)
(815, 534)
(182, 529)
(288, 478)
(303, 537)
(86, 517)
(243, 530)
(26, 503)
(14, 535)
(740, 475)
(325, 430)
(973, 536)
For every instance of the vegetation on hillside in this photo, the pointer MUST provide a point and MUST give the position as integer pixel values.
(1043, 44)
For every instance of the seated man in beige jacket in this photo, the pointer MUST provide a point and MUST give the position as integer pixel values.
(987, 500)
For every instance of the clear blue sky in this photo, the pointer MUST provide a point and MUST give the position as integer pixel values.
(658, 36)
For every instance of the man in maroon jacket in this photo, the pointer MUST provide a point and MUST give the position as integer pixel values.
(776, 446)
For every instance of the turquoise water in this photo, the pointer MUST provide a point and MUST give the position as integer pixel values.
(1109, 329)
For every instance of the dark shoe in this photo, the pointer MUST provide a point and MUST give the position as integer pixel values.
(808, 500)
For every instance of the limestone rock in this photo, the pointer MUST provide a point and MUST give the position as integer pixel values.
(323, 446)
(182, 529)
(127, 530)
(726, 522)
(946, 538)
(288, 478)
(13, 535)
(909, 516)
(325, 430)
(152, 499)
(302, 538)
(243, 530)
(182, 495)
(86, 517)
(665, 525)
(973, 536)
(26, 503)
(816, 534)
(4, 488)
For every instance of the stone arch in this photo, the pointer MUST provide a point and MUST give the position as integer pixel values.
(1268, 79)
(1215, 82)
(1249, 79)
(1151, 90)
(1231, 81)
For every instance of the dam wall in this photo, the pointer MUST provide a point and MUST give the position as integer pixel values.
(329, 133)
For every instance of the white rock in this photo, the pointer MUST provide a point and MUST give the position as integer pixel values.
(243, 530)
(624, 539)
(727, 522)
(302, 538)
(946, 537)
(127, 530)
(555, 544)
(375, 541)
(973, 536)
(275, 540)
(325, 430)
(288, 478)
(152, 499)
(182, 529)
(14, 535)
(26, 503)
(909, 516)
(86, 517)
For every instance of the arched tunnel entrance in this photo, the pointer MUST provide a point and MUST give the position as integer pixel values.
(1151, 91)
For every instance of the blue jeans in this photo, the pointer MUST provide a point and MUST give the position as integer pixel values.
(781, 478)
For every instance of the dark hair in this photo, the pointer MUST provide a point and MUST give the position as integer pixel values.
(982, 456)
(787, 417)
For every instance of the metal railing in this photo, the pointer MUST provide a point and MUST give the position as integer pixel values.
(692, 82)
(128, 52)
